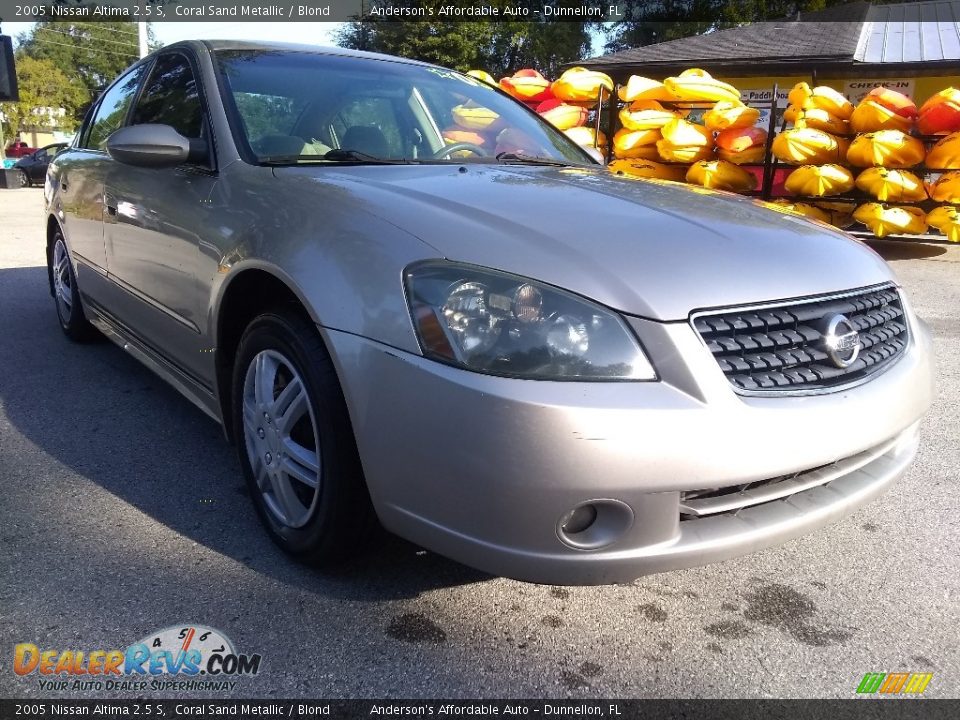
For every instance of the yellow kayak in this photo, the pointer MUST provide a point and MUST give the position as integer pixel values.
(682, 132)
(581, 85)
(819, 180)
(792, 113)
(683, 153)
(886, 148)
(870, 116)
(587, 137)
(696, 85)
(721, 175)
(883, 220)
(830, 100)
(946, 219)
(648, 169)
(726, 115)
(806, 146)
(482, 75)
(645, 115)
(635, 143)
(840, 213)
(799, 94)
(886, 184)
(643, 88)
(471, 116)
(754, 155)
(947, 188)
(799, 208)
(562, 115)
(945, 155)
(820, 119)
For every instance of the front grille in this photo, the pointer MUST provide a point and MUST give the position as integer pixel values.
(781, 347)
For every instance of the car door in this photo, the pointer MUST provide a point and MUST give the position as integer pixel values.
(38, 165)
(80, 183)
(153, 222)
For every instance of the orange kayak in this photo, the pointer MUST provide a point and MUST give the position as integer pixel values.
(940, 113)
(527, 85)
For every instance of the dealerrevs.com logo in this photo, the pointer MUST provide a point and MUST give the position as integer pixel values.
(180, 657)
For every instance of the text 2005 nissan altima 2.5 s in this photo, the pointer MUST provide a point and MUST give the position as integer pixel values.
(482, 340)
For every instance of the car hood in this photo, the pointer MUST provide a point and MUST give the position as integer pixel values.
(649, 248)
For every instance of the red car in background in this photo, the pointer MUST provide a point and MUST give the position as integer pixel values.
(19, 149)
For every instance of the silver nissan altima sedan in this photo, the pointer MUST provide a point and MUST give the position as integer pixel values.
(409, 300)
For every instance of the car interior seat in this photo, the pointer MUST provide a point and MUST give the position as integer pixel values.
(284, 145)
(366, 139)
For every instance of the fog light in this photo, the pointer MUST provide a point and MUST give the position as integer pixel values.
(579, 519)
(595, 524)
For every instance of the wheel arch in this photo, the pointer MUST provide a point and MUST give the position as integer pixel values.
(246, 293)
(53, 225)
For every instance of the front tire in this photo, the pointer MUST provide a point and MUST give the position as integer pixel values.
(70, 312)
(23, 180)
(295, 442)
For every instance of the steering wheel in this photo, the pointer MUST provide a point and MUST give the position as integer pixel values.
(457, 147)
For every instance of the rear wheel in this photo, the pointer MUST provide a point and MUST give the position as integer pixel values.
(70, 313)
(295, 442)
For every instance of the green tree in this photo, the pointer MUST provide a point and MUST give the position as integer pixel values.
(90, 54)
(44, 90)
(500, 47)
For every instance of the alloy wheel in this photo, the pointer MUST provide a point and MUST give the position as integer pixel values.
(281, 437)
(62, 280)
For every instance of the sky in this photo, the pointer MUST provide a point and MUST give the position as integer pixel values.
(311, 33)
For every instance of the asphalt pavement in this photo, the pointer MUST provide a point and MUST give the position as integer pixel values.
(122, 512)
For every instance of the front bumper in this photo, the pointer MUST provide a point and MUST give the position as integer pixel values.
(482, 469)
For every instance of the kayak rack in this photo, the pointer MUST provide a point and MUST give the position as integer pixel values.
(771, 164)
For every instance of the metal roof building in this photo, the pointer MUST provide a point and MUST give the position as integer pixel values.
(855, 39)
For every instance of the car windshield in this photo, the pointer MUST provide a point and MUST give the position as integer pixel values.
(299, 107)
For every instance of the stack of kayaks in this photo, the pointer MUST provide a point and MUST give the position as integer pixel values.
(877, 148)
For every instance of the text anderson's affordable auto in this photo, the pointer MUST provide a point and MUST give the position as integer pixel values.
(205, 656)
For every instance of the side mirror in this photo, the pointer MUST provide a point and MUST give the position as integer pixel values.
(154, 146)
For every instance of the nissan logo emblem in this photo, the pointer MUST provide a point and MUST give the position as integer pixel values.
(841, 341)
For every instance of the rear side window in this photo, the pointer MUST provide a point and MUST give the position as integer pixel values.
(112, 110)
(171, 97)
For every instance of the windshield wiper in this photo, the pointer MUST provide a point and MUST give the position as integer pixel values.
(530, 159)
(347, 155)
(336, 155)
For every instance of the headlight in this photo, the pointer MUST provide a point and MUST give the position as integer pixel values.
(501, 324)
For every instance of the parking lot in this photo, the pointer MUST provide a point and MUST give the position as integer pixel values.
(123, 512)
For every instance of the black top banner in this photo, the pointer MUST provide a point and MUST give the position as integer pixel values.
(312, 10)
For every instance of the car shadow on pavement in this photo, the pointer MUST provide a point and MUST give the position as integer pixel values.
(106, 418)
(899, 250)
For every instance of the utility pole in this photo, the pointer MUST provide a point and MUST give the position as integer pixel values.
(142, 37)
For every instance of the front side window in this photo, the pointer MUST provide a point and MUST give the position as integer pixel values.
(171, 97)
(112, 110)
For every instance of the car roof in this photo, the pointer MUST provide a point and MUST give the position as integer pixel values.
(215, 45)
